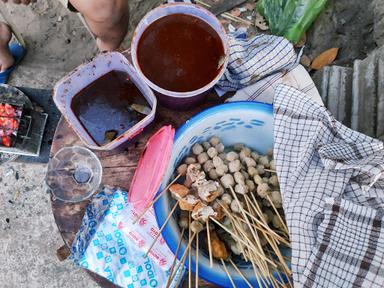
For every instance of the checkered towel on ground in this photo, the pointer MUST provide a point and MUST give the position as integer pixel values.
(332, 181)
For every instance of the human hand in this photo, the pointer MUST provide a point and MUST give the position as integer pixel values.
(25, 2)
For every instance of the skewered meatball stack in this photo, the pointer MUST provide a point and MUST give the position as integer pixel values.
(217, 182)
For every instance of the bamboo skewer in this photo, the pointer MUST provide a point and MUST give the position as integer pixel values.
(269, 231)
(183, 257)
(162, 228)
(276, 250)
(281, 259)
(197, 263)
(176, 253)
(280, 278)
(228, 231)
(236, 227)
(229, 275)
(278, 215)
(269, 170)
(264, 279)
(285, 258)
(262, 266)
(241, 245)
(278, 238)
(263, 229)
(235, 236)
(253, 221)
(236, 19)
(258, 211)
(241, 240)
(233, 219)
(156, 198)
(189, 252)
(209, 245)
(265, 270)
(241, 274)
(255, 270)
(182, 263)
(254, 234)
(259, 276)
(245, 236)
(274, 247)
(261, 223)
(273, 280)
(290, 284)
(249, 208)
(226, 14)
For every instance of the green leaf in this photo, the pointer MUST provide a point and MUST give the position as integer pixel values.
(290, 18)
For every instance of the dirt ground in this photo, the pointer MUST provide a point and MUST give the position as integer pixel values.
(345, 24)
(57, 40)
(57, 43)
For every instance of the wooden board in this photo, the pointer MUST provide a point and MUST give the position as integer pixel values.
(118, 169)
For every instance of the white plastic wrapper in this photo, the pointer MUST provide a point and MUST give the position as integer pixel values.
(111, 246)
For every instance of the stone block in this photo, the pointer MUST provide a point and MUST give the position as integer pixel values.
(335, 87)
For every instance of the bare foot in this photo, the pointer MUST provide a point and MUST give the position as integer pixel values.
(107, 19)
(6, 58)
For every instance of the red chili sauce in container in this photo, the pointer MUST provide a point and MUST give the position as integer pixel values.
(105, 101)
(107, 107)
(181, 51)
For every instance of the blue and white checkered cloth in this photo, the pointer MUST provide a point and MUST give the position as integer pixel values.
(251, 60)
(332, 183)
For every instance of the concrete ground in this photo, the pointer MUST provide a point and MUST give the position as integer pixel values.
(29, 237)
(58, 42)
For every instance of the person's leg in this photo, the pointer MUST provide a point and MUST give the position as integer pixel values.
(6, 58)
(107, 19)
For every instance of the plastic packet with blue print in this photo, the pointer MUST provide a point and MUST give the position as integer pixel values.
(106, 247)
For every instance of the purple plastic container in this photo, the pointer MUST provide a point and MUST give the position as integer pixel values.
(172, 99)
(87, 73)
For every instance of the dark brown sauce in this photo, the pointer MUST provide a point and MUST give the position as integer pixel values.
(180, 53)
(105, 105)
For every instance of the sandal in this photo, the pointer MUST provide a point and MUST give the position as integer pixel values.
(17, 52)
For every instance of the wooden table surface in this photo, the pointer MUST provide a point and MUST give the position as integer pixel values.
(118, 169)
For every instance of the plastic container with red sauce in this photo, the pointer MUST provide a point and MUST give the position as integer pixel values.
(172, 99)
(87, 73)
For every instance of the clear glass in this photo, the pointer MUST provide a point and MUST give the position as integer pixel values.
(74, 174)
